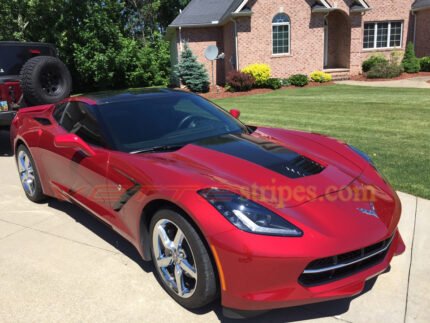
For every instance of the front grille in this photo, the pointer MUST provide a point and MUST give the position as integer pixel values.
(328, 269)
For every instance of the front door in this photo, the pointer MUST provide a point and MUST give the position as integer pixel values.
(78, 177)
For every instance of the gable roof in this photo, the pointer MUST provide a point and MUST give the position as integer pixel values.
(421, 5)
(207, 12)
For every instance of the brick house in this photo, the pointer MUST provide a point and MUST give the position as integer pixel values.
(300, 36)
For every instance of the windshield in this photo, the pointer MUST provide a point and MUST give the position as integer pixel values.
(158, 120)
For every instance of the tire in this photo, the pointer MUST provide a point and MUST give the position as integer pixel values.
(30, 180)
(45, 80)
(202, 290)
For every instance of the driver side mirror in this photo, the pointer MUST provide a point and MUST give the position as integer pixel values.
(73, 141)
(235, 113)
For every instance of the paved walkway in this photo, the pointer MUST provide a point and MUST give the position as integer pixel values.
(416, 82)
(58, 264)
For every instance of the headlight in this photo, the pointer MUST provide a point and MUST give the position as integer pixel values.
(363, 155)
(249, 216)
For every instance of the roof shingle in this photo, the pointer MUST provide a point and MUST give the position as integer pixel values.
(420, 5)
(206, 12)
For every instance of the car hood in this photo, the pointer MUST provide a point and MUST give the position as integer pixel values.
(264, 167)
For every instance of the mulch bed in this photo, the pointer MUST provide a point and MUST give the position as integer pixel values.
(404, 76)
(223, 94)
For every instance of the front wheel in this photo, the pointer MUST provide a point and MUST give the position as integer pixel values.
(183, 265)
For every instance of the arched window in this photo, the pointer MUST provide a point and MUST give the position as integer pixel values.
(281, 34)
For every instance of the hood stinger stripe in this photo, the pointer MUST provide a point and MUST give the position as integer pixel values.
(264, 153)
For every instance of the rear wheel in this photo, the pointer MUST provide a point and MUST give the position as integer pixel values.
(28, 175)
(183, 265)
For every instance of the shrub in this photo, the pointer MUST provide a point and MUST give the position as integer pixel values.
(425, 64)
(396, 57)
(411, 63)
(192, 73)
(238, 81)
(273, 83)
(320, 77)
(260, 72)
(285, 82)
(299, 80)
(385, 70)
(372, 61)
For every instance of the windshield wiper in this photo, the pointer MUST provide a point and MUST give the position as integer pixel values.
(157, 149)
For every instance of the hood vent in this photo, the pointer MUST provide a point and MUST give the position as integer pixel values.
(302, 166)
(267, 154)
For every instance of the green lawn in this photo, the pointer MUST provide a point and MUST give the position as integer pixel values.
(391, 125)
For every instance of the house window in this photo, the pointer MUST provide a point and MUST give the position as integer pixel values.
(382, 35)
(281, 34)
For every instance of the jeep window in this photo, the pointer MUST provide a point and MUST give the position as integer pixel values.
(14, 56)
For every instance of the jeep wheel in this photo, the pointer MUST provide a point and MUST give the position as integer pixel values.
(45, 80)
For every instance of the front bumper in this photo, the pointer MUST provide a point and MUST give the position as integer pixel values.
(6, 118)
(262, 279)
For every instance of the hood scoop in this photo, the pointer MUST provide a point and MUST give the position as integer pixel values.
(267, 154)
(302, 167)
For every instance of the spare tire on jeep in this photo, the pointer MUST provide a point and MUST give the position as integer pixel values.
(45, 80)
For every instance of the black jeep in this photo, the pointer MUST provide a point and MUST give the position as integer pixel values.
(30, 74)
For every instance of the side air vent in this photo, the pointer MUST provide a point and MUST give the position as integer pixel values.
(43, 121)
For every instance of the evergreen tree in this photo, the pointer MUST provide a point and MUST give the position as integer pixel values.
(410, 62)
(192, 73)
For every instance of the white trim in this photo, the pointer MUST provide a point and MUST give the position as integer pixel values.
(364, 4)
(389, 35)
(239, 9)
(375, 40)
(325, 42)
(278, 24)
(325, 3)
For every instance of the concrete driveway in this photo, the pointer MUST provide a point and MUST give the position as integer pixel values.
(421, 82)
(58, 264)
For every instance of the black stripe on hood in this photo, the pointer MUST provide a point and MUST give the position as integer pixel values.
(263, 153)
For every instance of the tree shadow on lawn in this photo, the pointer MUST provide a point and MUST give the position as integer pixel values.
(5, 148)
(299, 313)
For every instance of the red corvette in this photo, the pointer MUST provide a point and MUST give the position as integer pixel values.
(263, 218)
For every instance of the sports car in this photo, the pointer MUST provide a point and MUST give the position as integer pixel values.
(258, 217)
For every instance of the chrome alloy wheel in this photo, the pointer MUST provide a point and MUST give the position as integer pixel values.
(26, 173)
(174, 258)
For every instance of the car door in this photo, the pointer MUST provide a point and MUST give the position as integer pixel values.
(72, 173)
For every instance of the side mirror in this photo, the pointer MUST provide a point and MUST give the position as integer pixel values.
(235, 113)
(72, 141)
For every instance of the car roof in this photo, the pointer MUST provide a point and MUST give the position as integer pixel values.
(106, 97)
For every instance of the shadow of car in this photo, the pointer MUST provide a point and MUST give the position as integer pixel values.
(292, 314)
(5, 147)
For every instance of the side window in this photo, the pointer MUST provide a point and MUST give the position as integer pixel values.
(79, 118)
(58, 111)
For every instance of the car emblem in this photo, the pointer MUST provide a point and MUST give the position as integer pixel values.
(371, 211)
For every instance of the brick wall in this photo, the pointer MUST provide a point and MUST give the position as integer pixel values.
(387, 10)
(307, 36)
(198, 40)
(339, 40)
(422, 39)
